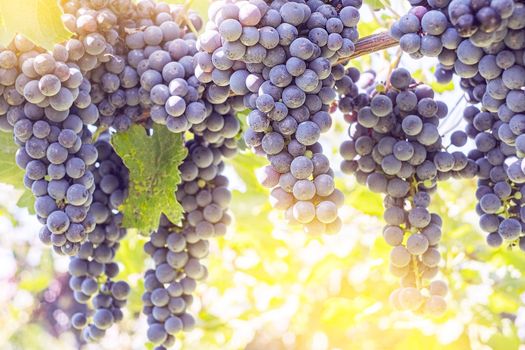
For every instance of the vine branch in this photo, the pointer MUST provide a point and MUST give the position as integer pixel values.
(370, 44)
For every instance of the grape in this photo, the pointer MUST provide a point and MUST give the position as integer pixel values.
(458, 138)
(399, 256)
(156, 333)
(381, 105)
(103, 318)
(77, 194)
(439, 288)
(434, 22)
(412, 125)
(78, 321)
(272, 143)
(417, 244)
(410, 298)
(509, 229)
(431, 257)
(58, 222)
(400, 78)
(391, 165)
(293, 97)
(295, 66)
(435, 305)
(393, 235)
(403, 150)
(349, 16)
(304, 212)
(301, 167)
(410, 43)
(494, 239)
(307, 133)
(326, 212)
(490, 203)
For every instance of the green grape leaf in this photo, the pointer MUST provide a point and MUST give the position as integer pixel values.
(245, 165)
(375, 4)
(27, 200)
(11, 174)
(38, 20)
(242, 117)
(201, 7)
(441, 88)
(503, 341)
(153, 163)
(365, 201)
(367, 28)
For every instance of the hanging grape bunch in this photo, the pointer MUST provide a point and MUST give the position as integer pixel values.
(136, 78)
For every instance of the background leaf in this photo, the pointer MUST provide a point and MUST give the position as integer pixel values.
(38, 20)
(375, 4)
(11, 174)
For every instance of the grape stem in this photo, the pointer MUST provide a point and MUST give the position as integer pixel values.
(393, 66)
(370, 44)
(99, 132)
(457, 121)
(143, 118)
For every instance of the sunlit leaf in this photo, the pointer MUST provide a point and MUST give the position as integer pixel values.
(38, 20)
(375, 4)
(10, 173)
(366, 201)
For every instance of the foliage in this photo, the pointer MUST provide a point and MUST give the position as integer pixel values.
(39, 21)
(153, 162)
(10, 173)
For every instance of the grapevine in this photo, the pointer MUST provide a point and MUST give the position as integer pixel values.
(128, 127)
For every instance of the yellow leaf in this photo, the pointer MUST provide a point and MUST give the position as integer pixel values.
(38, 20)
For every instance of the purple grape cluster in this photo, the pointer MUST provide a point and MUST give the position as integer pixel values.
(353, 91)
(178, 249)
(277, 60)
(465, 35)
(93, 270)
(163, 55)
(43, 106)
(482, 41)
(500, 184)
(220, 128)
(395, 149)
(99, 50)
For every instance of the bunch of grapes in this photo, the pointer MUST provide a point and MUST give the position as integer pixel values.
(97, 26)
(279, 59)
(178, 249)
(162, 54)
(483, 20)
(395, 149)
(93, 269)
(482, 42)
(49, 116)
(464, 35)
(114, 81)
(220, 128)
(353, 91)
(174, 93)
(500, 189)
(47, 102)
